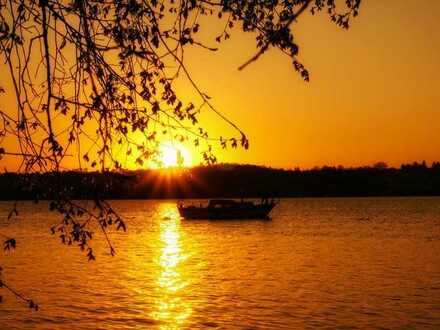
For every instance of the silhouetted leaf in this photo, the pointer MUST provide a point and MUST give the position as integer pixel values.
(9, 244)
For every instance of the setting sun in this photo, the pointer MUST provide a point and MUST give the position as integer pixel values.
(173, 154)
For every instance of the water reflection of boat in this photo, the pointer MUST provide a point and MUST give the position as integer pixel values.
(228, 209)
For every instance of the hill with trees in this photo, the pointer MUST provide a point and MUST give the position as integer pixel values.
(227, 180)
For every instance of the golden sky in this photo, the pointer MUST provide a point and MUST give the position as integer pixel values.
(374, 93)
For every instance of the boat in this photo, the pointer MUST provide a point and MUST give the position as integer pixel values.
(228, 209)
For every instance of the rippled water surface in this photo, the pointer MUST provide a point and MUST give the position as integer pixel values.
(318, 264)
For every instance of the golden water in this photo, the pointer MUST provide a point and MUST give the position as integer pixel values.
(318, 264)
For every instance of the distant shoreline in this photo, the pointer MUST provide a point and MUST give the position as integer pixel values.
(222, 197)
(228, 181)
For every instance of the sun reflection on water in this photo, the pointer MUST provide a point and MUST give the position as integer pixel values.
(172, 309)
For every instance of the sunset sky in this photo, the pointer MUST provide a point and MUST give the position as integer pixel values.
(373, 95)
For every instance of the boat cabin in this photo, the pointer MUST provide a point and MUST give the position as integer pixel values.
(225, 203)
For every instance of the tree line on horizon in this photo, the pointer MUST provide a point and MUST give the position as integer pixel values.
(228, 180)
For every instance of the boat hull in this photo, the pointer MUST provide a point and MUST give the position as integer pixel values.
(261, 211)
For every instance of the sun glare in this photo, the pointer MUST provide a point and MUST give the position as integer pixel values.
(173, 154)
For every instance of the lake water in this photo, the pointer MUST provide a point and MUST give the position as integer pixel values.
(342, 263)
